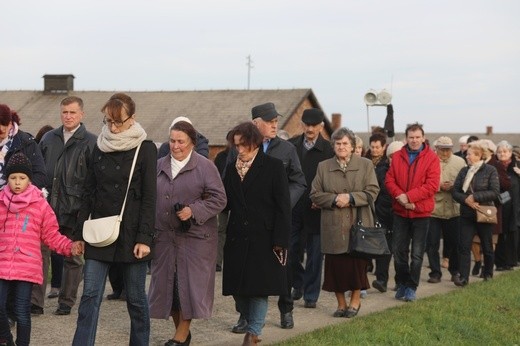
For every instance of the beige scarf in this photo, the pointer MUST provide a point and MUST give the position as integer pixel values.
(471, 172)
(243, 166)
(109, 142)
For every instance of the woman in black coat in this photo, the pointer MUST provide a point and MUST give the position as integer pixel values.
(255, 253)
(477, 184)
(506, 252)
(106, 185)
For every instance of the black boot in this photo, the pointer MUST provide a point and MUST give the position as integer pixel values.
(476, 268)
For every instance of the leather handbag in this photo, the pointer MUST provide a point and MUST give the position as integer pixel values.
(487, 214)
(105, 230)
(368, 242)
(504, 197)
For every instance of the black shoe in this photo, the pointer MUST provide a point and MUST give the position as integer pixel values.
(339, 313)
(460, 281)
(62, 310)
(352, 312)
(434, 280)
(379, 285)
(173, 342)
(123, 296)
(454, 277)
(476, 268)
(114, 296)
(36, 310)
(218, 268)
(309, 305)
(8, 343)
(286, 320)
(297, 293)
(488, 277)
(241, 326)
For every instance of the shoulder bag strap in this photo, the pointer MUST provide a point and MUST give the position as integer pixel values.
(130, 179)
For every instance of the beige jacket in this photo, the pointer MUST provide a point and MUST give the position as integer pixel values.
(445, 206)
(358, 180)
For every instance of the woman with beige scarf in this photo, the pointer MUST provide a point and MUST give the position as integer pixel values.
(477, 184)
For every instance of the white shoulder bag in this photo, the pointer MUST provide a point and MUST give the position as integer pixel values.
(105, 230)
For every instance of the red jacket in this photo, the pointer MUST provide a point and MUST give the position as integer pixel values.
(419, 181)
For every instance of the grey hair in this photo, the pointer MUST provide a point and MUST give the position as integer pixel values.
(505, 144)
(342, 132)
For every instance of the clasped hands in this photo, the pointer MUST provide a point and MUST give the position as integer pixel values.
(402, 199)
(343, 200)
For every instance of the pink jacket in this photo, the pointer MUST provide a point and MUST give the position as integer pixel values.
(26, 220)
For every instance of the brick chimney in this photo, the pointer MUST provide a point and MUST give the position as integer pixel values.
(58, 83)
(335, 121)
(489, 130)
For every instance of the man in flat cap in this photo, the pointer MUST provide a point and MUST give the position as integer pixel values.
(265, 117)
(445, 218)
(311, 148)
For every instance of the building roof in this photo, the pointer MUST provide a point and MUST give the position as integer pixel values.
(213, 112)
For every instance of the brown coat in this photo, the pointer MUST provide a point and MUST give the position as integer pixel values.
(359, 179)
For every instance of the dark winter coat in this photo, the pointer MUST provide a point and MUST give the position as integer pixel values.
(260, 214)
(511, 210)
(309, 160)
(285, 151)
(66, 167)
(484, 187)
(105, 190)
(26, 144)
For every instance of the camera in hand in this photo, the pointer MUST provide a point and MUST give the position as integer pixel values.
(186, 224)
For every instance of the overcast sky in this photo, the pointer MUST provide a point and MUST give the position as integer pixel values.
(452, 65)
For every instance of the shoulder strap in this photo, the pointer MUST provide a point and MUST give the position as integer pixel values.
(372, 208)
(130, 179)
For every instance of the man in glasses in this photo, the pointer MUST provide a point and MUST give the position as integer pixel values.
(66, 151)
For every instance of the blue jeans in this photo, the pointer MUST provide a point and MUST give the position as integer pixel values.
(308, 278)
(254, 310)
(95, 274)
(22, 311)
(408, 230)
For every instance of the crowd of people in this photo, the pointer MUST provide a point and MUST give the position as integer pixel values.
(270, 213)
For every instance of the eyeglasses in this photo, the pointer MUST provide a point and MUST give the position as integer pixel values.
(117, 123)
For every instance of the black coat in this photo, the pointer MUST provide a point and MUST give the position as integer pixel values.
(259, 219)
(25, 143)
(106, 185)
(484, 187)
(67, 166)
(309, 160)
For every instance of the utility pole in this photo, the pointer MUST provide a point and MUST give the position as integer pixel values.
(249, 65)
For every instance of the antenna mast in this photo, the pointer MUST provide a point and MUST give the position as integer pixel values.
(249, 65)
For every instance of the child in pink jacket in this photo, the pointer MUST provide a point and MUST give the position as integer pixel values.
(26, 220)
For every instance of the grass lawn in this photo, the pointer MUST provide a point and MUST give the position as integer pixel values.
(482, 313)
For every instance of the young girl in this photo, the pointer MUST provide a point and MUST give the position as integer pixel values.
(26, 220)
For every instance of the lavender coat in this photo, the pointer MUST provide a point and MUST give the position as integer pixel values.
(192, 255)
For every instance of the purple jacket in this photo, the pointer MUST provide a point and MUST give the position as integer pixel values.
(192, 255)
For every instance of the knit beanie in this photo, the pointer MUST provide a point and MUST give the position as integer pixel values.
(19, 163)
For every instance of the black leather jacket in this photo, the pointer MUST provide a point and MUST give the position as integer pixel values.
(67, 167)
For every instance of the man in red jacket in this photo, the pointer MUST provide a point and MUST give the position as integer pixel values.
(412, 181)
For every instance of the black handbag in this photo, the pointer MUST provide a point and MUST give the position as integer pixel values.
(368, 242)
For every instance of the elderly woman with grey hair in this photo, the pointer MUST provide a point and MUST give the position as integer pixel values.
(506, 252)
(342, 188)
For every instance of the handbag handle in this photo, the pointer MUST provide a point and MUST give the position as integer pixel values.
(129, 180)
(372, 209)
